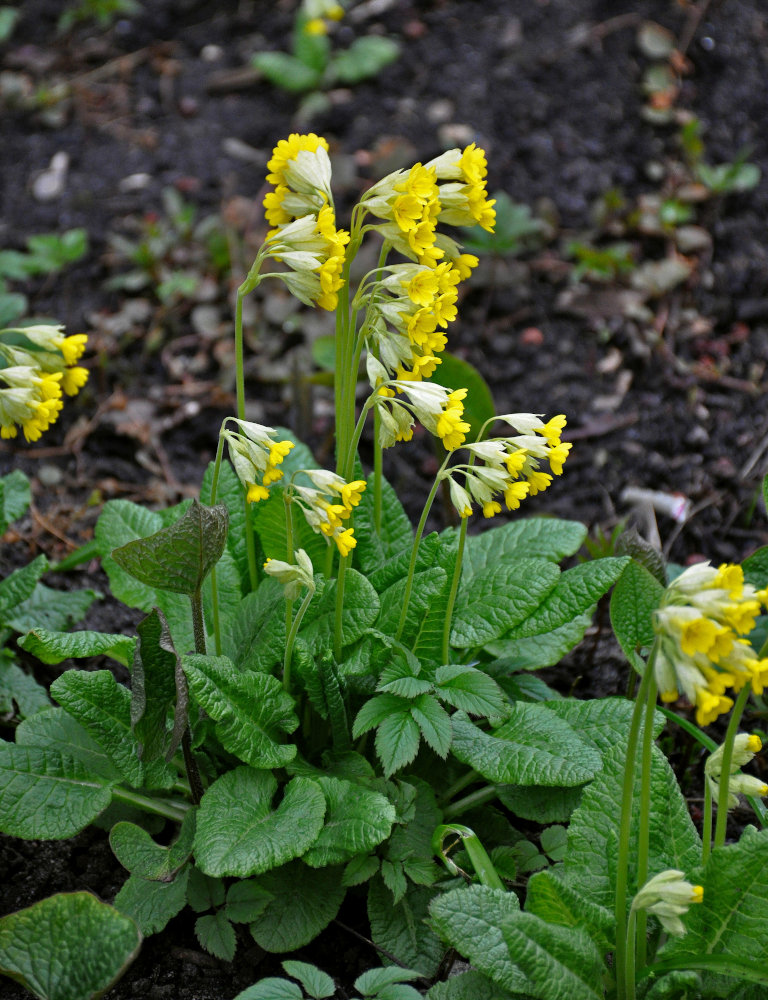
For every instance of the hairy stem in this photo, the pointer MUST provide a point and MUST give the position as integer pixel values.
(725, 773)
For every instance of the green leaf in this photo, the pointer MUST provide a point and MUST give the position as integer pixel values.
(272, 988)
(255, 639)
(68, 947)
(541, 805)
(55, 729)
(53, 647)
(361, 608)
(205, 892)
(374, 548)
(732, 919)
(316, 984)
(46, 794)
(238, 831)
(380, 983)
(231, 493)
(470, 690)
(360, 869)
(533, 538)
(51, 609)
(576, 593)
(429, 595)
(533, 747)
(19, 691)
(18, 585)
(559, 902)
(246, 901)
(479, 407)
(434, 723)
(140, 855)
(14, 498)
(305, 900)
(561, 963)
(402, 929)
(153, 904)
(312, 49)
(498, 597)
(471, 985)
(155, 689)
(635, 597)
(286, 71)
(252, 709)
(538, 651)
(365, 58)
(470, 920)
(103, 708)
(356, 821)
(217, 935)
(179, 557)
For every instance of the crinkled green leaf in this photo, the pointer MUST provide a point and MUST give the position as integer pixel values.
(361, 608)
(431, 552)
(576, 592)
(18, 585)
(470, 919)
(541, 805)
(635, 597)
(141, 855)
(428, 585)
(499, 596)
(537, 651)
(14, 498)
(53, 647)
(305, 900)
(316, 983)
(533, 747)
(252, 709)
(153, 904)
(50, 609)
(155, 676)
(402, 928)
(255, 638)
(471, 690)
(561, 963)
(55, 729)
(374, 548)
(470, 985)
(68, 947)
(20, 691)
(103, 708)
(560, 902)
(179, 556)
(356, 821)
(530, 538)
(216, 935)
(239, 832)
(47, 794)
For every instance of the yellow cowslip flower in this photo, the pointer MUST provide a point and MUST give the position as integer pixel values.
(745, 746)
(450, 426)
(700, 624)
(256, 455)
(316, 26)
(322, 511)
(668, 896)
(459, 498)
(31, 399)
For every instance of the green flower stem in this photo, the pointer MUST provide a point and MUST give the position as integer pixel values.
(214, 588)
(292, 638)
(175, 811)
(337, 635)
(346, 377)
(460, 785)
(198, 628)
(454, 591)
(706, 829)
(416, 542)
(631, 943)
(289, 558)
(625, 830)
(725, 773)
(250, 545)
(378, 471)
(476, 798)
(643, 834)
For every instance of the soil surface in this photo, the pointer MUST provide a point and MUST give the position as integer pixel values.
(663, 383)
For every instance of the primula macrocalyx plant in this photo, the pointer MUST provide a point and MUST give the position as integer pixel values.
(701, 624)
(39, 368)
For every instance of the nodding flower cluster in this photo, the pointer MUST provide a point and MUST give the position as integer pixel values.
(509, 467)
(256, 455)
(668, 896)
(704, 614)
(39, 368)
(745, 746)
(328, 504)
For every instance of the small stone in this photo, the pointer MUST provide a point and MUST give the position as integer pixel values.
(135, 182)
(49, 475)
(531, 336)
(211, 53)
(49, 183)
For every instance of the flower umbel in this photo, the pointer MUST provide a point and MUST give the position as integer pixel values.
(256, 455)
(328, 504)
(668, 896)
(745, 746)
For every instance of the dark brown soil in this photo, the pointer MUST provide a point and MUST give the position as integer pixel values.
(552, 90)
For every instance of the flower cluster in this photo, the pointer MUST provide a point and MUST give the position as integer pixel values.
(300, 209)
(408, 312)
(293, 576)
(413, 202)
(256, 456)
(509, 467)
(704, 614)
(438, 409)
(318, 13)
(40, 366)
(327, 505)
(668, 896)
(745, 747)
